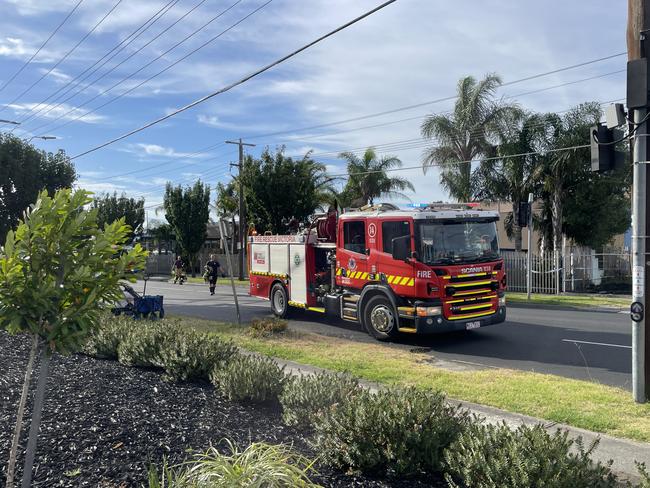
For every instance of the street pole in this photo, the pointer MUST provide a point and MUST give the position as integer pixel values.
(637, 24)
(224, 242)
(243, 233)
(529, 255)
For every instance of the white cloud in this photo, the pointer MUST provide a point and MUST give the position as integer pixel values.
(12, 47)
(163, 151)
(57, 75)
(65, 111)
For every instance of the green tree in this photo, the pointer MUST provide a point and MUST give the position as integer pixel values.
(369, 179)
(464, 135)
(25, 172)
(111, 208)
(278, 189)
(187, 210)
(227, 206)
(56, 270)
(162, 234)
(508, 177)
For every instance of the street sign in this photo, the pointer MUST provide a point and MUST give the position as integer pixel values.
(636, 311)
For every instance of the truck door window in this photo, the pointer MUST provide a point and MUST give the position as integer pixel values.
(354, 236)
(391, 230)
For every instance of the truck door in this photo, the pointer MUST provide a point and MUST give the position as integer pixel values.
(399, 274)
(351, 256)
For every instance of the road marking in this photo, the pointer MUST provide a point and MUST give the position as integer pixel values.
(597, 343)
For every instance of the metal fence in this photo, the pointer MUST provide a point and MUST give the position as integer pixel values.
(578, 270)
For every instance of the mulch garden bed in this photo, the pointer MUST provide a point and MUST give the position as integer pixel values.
(105, 423)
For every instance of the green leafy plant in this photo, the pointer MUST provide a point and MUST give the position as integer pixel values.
(191, 356)
(267, 327)
(494, 456)
(56, 269)
(253, 378)
(400, 431)
(143, 344)
(260, 465)
(643, 473)
(305, 398)
(105, 338)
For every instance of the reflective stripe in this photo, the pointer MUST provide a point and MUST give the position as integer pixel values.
(339, 271)
(470, 316)
(411, 282)
(472, 292)
(469, 275)
(404, 281)
(471, 283)
(364, 276)
(475, 307)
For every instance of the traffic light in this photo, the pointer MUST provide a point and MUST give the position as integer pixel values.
(524, 214)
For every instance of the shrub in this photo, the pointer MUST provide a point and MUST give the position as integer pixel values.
(191, 355)
(143, 343)
(259, 465)
(405, 431)
(105, 338)
(267, 327)
(305, 398)
(494, 456)
(255, 378)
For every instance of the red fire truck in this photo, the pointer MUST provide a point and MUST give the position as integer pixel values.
(431, 269)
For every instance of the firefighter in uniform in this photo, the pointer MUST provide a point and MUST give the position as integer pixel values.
(212, 272)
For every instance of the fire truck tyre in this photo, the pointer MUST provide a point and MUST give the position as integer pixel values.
(379, 318)
(279, 301)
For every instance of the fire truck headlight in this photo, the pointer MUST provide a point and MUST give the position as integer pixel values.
(429, 311)
(502, 301)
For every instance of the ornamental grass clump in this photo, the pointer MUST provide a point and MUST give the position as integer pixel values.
(305, 398)
(496, 456)
(267, 327)
(106, 336)
(257, 379)
(259, 465)
(394, 431)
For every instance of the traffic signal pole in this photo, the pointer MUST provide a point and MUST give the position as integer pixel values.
(637, 26)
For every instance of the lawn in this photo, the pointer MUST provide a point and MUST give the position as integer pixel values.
(581, 404)
(571, 300)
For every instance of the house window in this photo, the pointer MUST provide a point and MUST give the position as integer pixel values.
(354, 236)
(393, 230)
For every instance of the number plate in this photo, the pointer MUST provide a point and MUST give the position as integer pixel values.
(473, 325)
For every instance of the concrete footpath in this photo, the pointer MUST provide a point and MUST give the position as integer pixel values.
(622, 452)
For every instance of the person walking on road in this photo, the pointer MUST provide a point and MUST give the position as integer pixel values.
(178, 270)
(212, 272)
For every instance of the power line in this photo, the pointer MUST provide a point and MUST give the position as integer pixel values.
(448, 163)
(27, 90)
(238, 82)
(431, 102)
(89, 71)
(13, 77)
(108, 102)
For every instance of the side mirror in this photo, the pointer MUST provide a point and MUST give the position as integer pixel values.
(401, 248)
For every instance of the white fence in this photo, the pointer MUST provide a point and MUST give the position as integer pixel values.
(579, 271)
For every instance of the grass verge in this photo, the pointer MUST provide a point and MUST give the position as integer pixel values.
(582, 301)
(581, 404)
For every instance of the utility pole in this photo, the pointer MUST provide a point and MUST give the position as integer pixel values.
(243, 233)
(638, 23)
(529, 254)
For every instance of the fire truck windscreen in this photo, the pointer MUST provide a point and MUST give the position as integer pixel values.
(457, 242)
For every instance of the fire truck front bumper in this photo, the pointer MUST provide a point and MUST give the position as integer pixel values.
(437, 324)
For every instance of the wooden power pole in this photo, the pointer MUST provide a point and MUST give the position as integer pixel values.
(243, 229)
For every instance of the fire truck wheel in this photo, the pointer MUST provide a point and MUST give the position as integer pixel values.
(379, 318)
(279, 301)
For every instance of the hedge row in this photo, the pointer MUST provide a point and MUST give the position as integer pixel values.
(402, 432)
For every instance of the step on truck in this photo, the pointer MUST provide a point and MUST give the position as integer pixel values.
(431, 269)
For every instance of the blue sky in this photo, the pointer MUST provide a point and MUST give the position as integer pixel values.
(411, 52)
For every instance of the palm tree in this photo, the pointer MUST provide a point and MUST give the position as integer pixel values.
(464, 135)
(368, 178)
(511, 178)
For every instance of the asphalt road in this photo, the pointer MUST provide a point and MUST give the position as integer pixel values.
(592, 346)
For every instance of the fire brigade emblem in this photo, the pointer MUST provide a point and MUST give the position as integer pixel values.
(352, 264)
(296, 259)
(372, 230)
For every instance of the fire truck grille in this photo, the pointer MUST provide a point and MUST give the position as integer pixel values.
(471, 297)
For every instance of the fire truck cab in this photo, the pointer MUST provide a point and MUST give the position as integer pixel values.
(427, 270)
